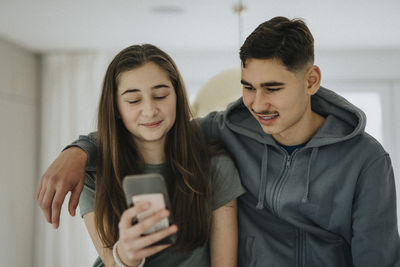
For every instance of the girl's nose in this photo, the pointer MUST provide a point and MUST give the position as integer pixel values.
(149, 108)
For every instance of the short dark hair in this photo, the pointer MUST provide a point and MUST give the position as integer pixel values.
(289, 41)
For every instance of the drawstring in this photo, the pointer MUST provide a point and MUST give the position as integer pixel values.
(264, 173)
(306, 189)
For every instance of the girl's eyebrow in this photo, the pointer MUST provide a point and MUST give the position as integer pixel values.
(130, 91)
(158, 86)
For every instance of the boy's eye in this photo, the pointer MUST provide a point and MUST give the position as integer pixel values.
(248, 88)
(273, 89)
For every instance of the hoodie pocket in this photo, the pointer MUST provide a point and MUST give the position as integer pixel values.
(328, 252)
(246, 251)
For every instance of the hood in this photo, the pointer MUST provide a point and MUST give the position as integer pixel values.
(343, 120)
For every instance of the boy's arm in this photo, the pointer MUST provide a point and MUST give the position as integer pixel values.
(88, 143)
(211, 125)
(375, 239)
(66, 174)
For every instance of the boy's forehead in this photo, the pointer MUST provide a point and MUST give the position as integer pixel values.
(264, 70)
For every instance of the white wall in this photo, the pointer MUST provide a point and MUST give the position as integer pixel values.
(18, 153)
(197, 67)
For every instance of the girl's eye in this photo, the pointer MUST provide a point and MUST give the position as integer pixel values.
(133, 101)
(160, 97)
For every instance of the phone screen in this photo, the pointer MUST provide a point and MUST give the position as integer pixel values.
(157, 203)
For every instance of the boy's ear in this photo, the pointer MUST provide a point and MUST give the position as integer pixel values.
(312, 79)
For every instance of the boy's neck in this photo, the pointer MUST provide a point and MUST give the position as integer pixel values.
(303, 133)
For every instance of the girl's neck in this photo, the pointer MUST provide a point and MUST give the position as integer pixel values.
(152, 152)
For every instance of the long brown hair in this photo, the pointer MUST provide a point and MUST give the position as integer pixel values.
(185, 149)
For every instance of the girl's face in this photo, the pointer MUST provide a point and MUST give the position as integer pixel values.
(146, 102)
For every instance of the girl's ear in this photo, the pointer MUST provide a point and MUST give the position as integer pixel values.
(312, 79)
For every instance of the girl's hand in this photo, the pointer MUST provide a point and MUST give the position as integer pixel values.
(133, 247)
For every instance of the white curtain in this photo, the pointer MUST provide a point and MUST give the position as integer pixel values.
(71, 86)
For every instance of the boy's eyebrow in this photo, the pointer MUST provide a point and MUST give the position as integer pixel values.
(138, 90)
(271, 84)
(266, 84)
(245, 83)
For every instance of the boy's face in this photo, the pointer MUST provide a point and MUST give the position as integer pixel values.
(277, 98)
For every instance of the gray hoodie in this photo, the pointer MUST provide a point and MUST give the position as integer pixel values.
(329, 203)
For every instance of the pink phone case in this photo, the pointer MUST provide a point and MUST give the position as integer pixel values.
(149, 187)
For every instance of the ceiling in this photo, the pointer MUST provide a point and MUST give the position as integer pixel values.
(48, 25)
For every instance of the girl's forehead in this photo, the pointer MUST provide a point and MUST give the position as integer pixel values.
(148, 76)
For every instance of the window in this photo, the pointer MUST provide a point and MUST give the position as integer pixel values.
(370, 103)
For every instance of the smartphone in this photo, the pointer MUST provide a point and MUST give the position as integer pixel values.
(149, 187)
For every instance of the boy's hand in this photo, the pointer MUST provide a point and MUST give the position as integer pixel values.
(65, 174)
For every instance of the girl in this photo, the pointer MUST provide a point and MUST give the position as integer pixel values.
(145, 126)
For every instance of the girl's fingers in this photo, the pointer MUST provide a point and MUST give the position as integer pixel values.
(129, 214)
(149, 251)
(146, 241)
(150, 221)
(132, 244)
(132, 233)
(141, 247)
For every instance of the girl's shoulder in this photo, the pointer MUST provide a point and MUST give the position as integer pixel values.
(221, 162)
(225, 180)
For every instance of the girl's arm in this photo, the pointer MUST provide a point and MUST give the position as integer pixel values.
(224, 236)
(104, 253)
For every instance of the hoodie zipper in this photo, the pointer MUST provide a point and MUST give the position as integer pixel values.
(300, 234)
(281, 181)
(288, 161)
(300, 248)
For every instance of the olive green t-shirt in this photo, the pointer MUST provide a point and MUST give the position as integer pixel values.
(225, 186)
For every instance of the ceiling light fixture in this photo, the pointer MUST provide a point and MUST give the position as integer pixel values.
(239, 8)
(167, 9)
